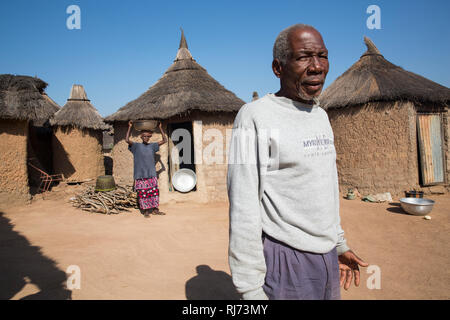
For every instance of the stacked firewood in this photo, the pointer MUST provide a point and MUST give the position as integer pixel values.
(107, 202)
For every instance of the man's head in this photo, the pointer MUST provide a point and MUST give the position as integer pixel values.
(300, 60)
(146, 135)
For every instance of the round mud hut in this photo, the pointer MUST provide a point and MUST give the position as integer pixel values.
(391, 127)
(186, 99)
(78, 139)
(23, 104)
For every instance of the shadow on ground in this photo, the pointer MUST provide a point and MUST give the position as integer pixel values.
(210, 285)
(397, 208)
(21, 264)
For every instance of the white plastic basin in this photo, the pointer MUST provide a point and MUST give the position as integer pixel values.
(184, 180)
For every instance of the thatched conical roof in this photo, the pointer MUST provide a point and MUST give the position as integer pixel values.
(184, 86)
(373, 78)
(23, 98)
(79, 112)
(50, 100)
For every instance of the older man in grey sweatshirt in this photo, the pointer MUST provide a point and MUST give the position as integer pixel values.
(286, 241)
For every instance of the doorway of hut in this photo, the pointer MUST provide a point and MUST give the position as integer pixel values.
(181, 149)
(39, 155)
(430, 147)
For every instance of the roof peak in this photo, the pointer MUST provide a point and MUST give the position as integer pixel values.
(78, 112)
(371, 48)
(77, 93)
(183, 42)
(183, 51)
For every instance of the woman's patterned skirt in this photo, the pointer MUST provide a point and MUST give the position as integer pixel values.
(147, 192)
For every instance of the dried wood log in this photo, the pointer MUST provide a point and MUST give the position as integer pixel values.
(109, 202)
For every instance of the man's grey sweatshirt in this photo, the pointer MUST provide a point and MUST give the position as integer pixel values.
(282, 180)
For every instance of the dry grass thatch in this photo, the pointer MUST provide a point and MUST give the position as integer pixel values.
(23, 98)
(184, 86)
(78, 112)
(373, 78)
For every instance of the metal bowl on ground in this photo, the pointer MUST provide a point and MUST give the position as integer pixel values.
(184, 180)
(105, 183)
(141, 125)
(417, 206)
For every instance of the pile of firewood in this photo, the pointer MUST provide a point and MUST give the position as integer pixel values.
(107, 202)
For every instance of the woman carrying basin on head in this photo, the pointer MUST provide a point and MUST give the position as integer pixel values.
(145, 179)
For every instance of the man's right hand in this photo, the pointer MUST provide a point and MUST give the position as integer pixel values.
(348, 265)
(130, 123)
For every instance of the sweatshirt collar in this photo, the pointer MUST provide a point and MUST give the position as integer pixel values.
(292, 104)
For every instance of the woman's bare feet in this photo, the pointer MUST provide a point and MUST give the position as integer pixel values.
(156, 211)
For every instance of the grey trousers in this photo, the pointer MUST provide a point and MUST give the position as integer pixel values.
(298, 275)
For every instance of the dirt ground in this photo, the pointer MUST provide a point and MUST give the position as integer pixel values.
(183, 255)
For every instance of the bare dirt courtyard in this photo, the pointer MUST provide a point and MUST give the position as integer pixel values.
(183, 255)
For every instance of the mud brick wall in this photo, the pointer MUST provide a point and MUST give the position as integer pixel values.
(215, 174)
(78, 153)
(14, 187)
(376, 147)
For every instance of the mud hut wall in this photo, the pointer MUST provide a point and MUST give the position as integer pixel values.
(210, 136)
(14, 187)
(215, 173)
(211, 177)
(376, 147)
(77, 154)
(122, 157)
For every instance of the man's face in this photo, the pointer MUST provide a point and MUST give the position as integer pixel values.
(145, 136)
(303, 75)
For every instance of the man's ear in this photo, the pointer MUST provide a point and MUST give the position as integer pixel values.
(277, 68)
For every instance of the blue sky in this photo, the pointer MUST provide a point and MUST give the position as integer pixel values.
(124, 47)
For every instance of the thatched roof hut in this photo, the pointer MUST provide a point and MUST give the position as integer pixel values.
(373, 78)
(22, 102)
(185, 97)
(78, 112)
(184, 87)
(375, 108)
(23, 98)
(78, 138)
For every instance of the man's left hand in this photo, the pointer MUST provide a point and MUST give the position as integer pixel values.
(348, 265)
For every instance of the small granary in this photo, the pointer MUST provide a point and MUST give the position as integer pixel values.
(186, 97)
(23, 107)
(78, 139)
(390, 125)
